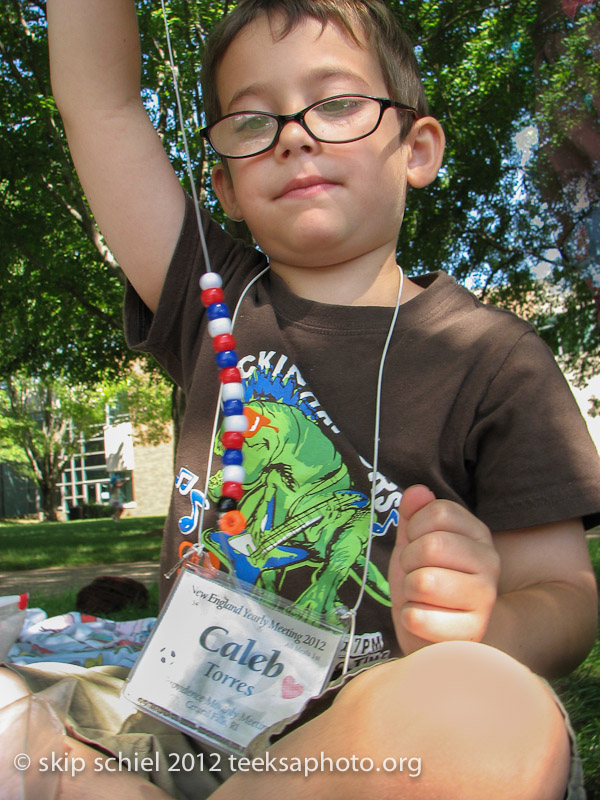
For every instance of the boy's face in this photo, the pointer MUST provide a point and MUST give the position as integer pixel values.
(309, 203)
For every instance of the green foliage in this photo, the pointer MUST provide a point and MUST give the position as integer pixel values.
(95, 511)
(60, 289)
(495, 72)
(189, 24)
(489, 76)
(146, 396)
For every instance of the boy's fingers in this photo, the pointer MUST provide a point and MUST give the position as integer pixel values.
(441, 589)
(442, 625)
(443, 573)
(447, 550)
(414, 499)
(423, 514)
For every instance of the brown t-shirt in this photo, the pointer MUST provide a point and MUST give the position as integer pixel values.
(473, 405)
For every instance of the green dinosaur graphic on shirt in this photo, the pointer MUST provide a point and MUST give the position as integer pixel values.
(301, 511)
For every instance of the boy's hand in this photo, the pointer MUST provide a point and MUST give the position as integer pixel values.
(443, 573)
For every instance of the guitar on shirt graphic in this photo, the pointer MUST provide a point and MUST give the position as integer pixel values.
(249, 554)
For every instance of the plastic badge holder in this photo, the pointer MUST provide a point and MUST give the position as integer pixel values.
(226, 660)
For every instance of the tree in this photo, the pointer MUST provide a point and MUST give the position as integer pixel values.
(47, 420)
(60, 288)
(43, 420)
(493, 71)
(145, 396)
(516, 86)
(567, 167)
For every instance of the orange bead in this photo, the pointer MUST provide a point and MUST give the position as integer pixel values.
(232, 522)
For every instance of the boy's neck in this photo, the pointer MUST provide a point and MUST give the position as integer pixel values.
(354, 283)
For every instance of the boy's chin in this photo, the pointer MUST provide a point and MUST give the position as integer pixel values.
(312, 249)
(311, 258)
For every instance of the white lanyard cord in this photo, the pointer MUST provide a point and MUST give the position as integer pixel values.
(188, 160)
(353, 611)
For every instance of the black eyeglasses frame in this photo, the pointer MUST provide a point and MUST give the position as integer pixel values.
(283, 119)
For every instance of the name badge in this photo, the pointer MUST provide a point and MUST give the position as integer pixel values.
(226, 660)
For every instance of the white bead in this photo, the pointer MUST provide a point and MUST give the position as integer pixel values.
(218, 326)
(211, 280)
(236, 422)
(233, 391)
(234, 473)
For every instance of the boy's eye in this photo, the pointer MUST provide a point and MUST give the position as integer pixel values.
(252, 124)
(340, 106)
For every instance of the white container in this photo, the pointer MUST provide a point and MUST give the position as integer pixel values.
(13, 609)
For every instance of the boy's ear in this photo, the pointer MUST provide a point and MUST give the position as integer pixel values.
(426, 141)
(223, 188)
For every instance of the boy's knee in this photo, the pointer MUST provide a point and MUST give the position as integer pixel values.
(475, 717)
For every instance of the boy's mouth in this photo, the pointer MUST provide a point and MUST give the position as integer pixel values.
(307, 186)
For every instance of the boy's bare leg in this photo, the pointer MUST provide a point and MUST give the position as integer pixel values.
(469, 722)
(482, 725)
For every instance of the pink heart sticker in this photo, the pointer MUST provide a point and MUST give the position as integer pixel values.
(290, 689)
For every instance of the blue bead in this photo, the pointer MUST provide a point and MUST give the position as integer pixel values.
(233, 407)
(227, 358)
(217, 310)
(232, 457)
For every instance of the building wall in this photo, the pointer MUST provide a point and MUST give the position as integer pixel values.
(152, 479)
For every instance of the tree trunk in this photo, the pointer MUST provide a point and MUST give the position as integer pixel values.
(48, 493)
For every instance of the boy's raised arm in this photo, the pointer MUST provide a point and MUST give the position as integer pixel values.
(126, 175)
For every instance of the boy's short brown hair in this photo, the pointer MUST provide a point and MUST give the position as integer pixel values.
(390, 44)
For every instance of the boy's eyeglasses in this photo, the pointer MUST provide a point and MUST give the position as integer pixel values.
(335, 120)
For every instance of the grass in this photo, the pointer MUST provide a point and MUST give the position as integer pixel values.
(33, 545)
(580, 692)
(101, 541)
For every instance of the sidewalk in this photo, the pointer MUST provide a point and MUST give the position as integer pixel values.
(58, 579)
(53, 580)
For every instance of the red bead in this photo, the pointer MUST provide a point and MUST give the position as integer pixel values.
(233, 440)
(230, 375)
(231, 489)
(210, 296)
(225, 341)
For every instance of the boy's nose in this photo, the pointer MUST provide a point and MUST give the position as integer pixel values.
(293, 137)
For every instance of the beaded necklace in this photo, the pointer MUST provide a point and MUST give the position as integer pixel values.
(232, 399)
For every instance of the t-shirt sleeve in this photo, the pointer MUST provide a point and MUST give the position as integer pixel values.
(533, 459)
(171, 334)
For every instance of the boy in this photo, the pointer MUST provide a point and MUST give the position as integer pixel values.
(473, 405)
